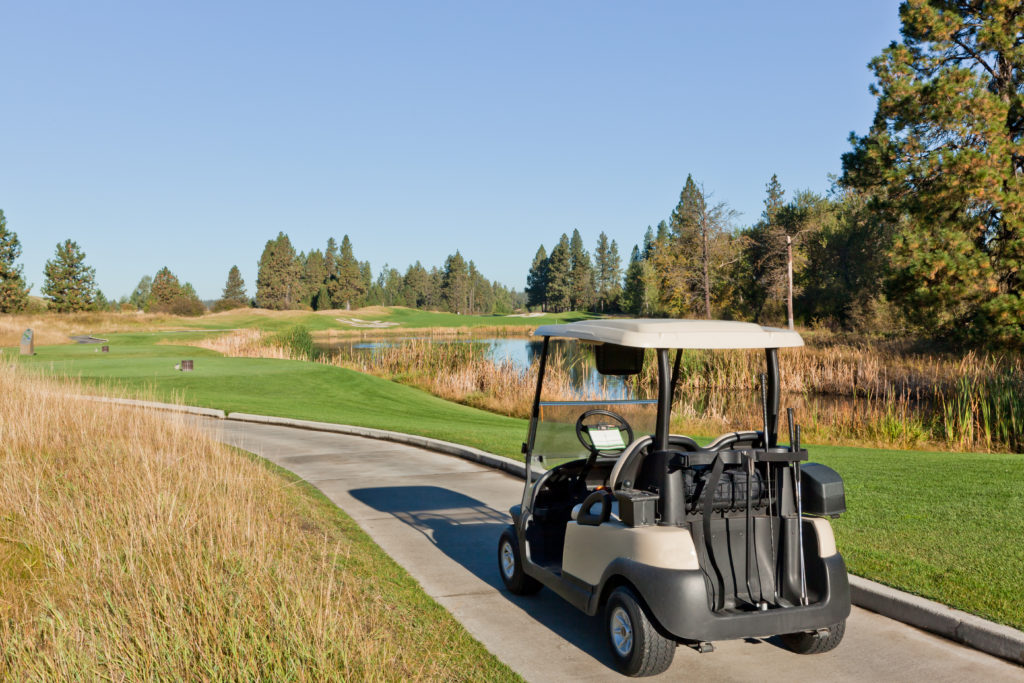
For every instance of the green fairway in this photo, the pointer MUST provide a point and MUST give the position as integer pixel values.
(404, 318)
(942, 525)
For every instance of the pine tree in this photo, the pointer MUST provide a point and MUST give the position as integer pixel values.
(416, 286)
(278, 284)
(537, 280)
(70, 284)
(140, 295)
(614, 274)
(944, 157)
(349, 286)
(13, 291)
(581, 274)
(234, 292)
(455, 284)
(314, 275)
(559, 291)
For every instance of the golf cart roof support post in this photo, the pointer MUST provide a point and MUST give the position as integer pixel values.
(772, 358)
(535, 414)
(671, 477)
(675, 373)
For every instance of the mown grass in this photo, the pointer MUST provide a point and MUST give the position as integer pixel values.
(132, 547)
(942, 525)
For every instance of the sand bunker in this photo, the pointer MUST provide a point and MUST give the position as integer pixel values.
(524, 315)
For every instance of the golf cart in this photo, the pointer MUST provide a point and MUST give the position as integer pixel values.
(676, 542)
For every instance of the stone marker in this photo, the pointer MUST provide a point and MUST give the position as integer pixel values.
(186, 366)
(28, 343)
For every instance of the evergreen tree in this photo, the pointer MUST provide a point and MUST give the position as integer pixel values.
(614, 274)
(330, 276)
(366, 281)
(349, 284)
(640, 289)
(234, 292)
(692, 267)
(559, 291)
(389, 282)
(70, 284)
(581, 274)
(944, 153)
(762, 279)
(416, 286)
(314, 274)
(648, 248)
(278, 284)
(140, 295)
(455, 284)
(537, 280)
(13, 291)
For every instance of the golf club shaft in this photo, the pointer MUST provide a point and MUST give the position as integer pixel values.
(800, 523)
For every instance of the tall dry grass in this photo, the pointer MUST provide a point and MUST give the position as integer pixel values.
(132, 547)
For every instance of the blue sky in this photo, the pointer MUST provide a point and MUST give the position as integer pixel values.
(187, 134)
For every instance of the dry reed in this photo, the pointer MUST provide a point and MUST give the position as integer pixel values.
(132, 547)
(843, 393)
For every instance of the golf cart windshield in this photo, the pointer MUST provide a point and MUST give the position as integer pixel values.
(570, 430)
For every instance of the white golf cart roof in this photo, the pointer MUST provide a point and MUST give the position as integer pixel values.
(648, 333)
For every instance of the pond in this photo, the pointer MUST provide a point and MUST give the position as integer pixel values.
(575, 358)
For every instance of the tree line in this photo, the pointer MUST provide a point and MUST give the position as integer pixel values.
(819, 259)
(314, 280)
(335, 278)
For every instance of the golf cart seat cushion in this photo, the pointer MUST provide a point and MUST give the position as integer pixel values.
(595, 508)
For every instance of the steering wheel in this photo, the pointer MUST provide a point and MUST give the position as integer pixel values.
(588, 443)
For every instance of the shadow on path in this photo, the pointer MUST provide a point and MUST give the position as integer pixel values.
(467, 531)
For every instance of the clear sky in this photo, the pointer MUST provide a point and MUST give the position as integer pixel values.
(187, 134)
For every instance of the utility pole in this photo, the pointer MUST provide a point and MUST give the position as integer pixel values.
(789, 267)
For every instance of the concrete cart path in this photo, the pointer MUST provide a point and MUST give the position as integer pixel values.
(440, 517)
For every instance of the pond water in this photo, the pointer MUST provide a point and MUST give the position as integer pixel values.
(575, 358)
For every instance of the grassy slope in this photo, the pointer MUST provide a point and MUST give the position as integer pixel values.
(937, 524)
(205, 565)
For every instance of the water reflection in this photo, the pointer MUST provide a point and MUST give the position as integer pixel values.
(575, 358)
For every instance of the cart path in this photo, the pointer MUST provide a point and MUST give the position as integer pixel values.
(440, 517)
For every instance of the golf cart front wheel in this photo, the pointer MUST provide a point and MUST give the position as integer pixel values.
(815, 642)
(510, 566)
(636, 645)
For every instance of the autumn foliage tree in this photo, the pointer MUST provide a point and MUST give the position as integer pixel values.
(946, 155)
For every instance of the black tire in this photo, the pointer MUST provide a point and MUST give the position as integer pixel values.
(510, 566)
(811, 643)
(636, 645)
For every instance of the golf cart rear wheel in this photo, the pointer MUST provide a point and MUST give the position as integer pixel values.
(812, 642)
(636, 645)
(510, 566)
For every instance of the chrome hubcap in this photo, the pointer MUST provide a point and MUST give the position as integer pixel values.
(508, 560)
(622, 632)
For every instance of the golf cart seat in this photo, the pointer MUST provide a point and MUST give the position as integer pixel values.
(595, 510)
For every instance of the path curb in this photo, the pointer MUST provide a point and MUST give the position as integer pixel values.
(153, 405)
(508, 465)
(956, 625)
